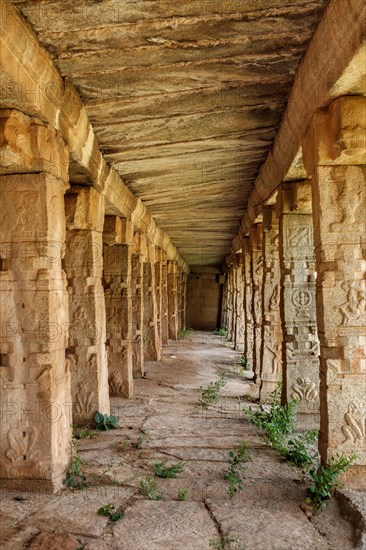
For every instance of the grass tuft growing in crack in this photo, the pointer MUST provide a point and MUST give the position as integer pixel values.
(212, 393)
(110, 511)
(228, 542)
(168, 472)
(148, 488)
(236, 461)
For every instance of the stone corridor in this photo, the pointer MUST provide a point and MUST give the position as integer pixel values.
(167, 167)
(265, 515)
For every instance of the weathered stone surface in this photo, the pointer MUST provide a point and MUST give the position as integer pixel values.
(56, 541)
(271, 353)
(186, 525)
(152, 343)
(35, 378)
(137, 286)
(256, 252)
(339, 236)
(84, 208)
(118, 303)
(300, 350)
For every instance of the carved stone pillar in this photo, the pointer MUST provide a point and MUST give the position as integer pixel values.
(172, 300)
(152, 347)
(271, 353)
(239, 304)
(184, 300)
(223, 320)
(138, 256)
(36, 419)
(118, 240)
(83, 265)
(300, 351)
(230, 304)
(158, 290)
(335, 158)
(256, 252)
(164, 300)
(248, 305)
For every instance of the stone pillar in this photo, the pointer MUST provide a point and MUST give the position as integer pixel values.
(138, 256)
(118, 240)
(230, 304)
(35, 396)
(300, 352)
(158, 290)
(164, 300)
(179, 298)
(172, 301)
(248, 305)
(271, 352)
(184, 300)
(239, 304)
(256, 252)
(335, 158)
(223, 320)
(152, 347)
(83, 265)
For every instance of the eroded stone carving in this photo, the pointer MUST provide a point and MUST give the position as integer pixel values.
(21, 443)
(354, 309)
(305, 389)
(354, 427)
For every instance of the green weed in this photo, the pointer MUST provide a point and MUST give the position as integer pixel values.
(182, 493)
(105, 422)
(235, 461)
(171, 471)
(109, 510)
(326, 480)
(148, 488)
(212, 393)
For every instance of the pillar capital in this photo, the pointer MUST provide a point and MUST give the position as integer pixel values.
(336, 136)
(294, 198)
(117, 231)
(29, 145)
(256, 236)
(84, 208)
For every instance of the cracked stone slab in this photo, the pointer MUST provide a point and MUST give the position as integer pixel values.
(76, 512)
(159, 525)
(258, 525)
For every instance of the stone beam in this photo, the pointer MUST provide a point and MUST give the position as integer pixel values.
(32, 84)
(338, 39)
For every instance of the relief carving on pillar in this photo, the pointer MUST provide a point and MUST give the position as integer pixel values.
(274, 302)
(300, 236)
(84, 403)
(354, 309)
(21, 442)
(354, 427)
(304, 390)
(115, 382)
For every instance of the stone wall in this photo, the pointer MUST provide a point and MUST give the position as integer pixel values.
(204, 293)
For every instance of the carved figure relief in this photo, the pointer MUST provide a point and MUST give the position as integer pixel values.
(299, 236)
(305, 390)
(355, 307)
(21, 442)
(354, 427)
(115, 384)
(84, 400)
(274, 302)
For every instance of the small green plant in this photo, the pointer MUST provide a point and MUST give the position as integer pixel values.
(105, 422)
(220, 332)
(74, 476)
(110, 511)
(171, 471)
(84, 433)
(326, 480)
(148, 488)
(184, 332)
(182, 493)
(212, 393)
(297, 449)
(235, 461)
(277, 421)
(243, 362)
(228, 542)
(139, 441)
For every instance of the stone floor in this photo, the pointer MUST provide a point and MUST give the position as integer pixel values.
(266, 515)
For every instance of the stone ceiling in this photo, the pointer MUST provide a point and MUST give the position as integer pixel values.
(184, 97)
